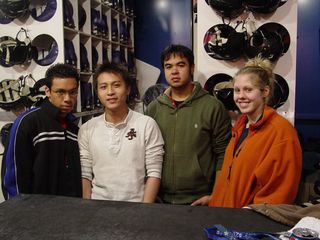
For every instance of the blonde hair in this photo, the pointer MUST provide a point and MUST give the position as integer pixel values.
(262, 74)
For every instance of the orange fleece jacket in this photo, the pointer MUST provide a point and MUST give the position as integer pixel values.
(266, 167)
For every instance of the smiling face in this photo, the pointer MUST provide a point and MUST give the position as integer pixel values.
(178, 71)
(112, 92)
(249, 98)
(63, 94)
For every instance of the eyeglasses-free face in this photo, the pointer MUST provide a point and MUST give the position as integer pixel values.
(63, 94)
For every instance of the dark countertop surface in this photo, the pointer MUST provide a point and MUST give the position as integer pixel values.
(43, 217)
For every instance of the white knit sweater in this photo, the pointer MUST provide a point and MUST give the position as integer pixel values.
(118, 158)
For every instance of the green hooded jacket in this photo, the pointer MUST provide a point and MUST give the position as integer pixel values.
(196, 134)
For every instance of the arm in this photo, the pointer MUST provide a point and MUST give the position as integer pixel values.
(151, 189)
(86, 161)
(153, 160)
(221, 126)
(86, 188)
(278, 176)
(22, 157)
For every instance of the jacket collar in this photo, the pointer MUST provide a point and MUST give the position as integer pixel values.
(53, 111)
(197, 92)
(268, 113)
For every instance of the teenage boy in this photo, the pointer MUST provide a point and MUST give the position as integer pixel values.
(121, 150)
(43, 153)
(196, 129)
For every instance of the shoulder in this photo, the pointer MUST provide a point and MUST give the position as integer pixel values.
(28, 116)
(143, 121)
(92, 123)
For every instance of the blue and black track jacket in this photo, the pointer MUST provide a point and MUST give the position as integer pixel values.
(42, 157)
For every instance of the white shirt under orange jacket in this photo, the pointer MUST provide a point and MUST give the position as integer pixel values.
(265, 168)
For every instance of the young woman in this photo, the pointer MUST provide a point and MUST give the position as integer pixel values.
(262, 163)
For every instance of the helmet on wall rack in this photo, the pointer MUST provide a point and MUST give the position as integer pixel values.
(114, 29)
(86, 95)
(7, 45)
(10, 93)
(5, 19)
(280, 30)
(95, 57)
(105, 57)
(84, 62)
(47, 11)
(95, 21)
(70, 56)
(280, 93)
(104, 26)
(223, 42)
(21, 53)
(123, 32)
(227, 8)
(262, 6)
(264, 43)
(44, 49)
(68, 14)
(152, 93)
(220, 85)
(14, 8)
(82, 16)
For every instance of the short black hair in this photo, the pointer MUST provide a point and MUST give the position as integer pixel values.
(176, 49)
(111, 68)
(61, 70)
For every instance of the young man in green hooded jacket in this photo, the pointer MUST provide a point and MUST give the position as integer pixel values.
(196, 129)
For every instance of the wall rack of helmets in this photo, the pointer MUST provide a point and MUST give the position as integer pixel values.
(231, 40)
(95, 31)
(116, 31)
(24, 91)
(220, 85)
(225, 42)
(20, 50)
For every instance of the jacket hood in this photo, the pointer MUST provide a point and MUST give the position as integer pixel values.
(197, 92)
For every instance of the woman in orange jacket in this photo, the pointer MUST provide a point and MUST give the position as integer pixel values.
(263, 160)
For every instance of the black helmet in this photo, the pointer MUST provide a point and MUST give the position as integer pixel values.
(264, 43)
(227, 8)
(82, 16)
(223, 42)
(44, 49)
(14, 8)
(7, 45)
(220, 85)
(262, 6)
(22, 51)
(152, 93)
(10, 93)
(5, 19)
(47, 11)
(280, 30)
(280, 93)
(84, 62)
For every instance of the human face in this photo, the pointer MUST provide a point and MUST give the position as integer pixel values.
(112, 92)
(178, 71)
(63, 94)
(249, 98)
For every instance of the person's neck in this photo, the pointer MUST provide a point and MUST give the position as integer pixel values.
(254, 118)
(181, 94)
(116, 117)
